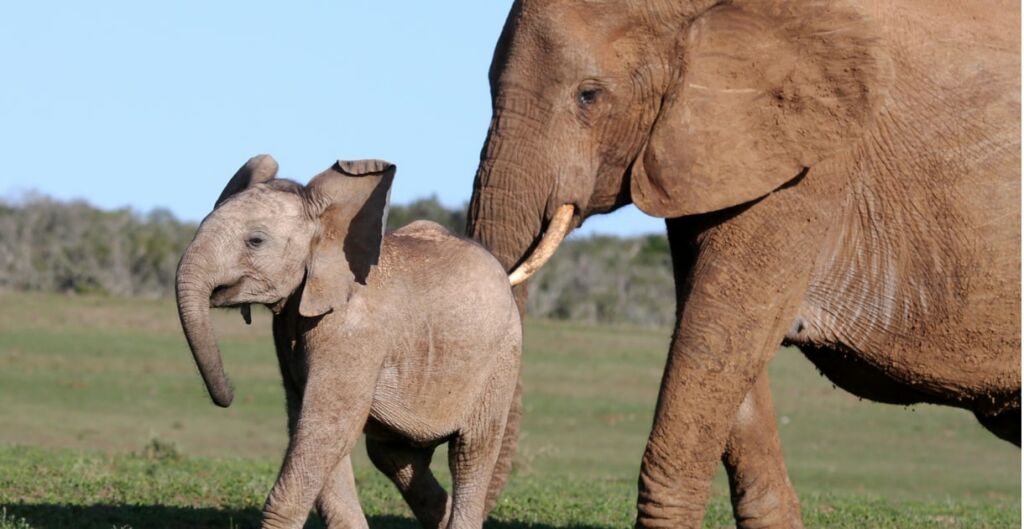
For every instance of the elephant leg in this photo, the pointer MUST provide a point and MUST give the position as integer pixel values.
(762, 496)
(741, 275)
(473, 453)
(471, 458)
(408, 467)
(318, 446)
(509, 440)
(330, 421)
(338, 502)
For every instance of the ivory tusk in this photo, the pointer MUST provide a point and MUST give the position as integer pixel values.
(558, 228)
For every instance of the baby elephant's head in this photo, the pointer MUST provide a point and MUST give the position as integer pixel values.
(267, 237)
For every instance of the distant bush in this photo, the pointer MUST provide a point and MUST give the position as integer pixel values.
(602, 279)
(50, 245)
(427, 209)
(74, 247)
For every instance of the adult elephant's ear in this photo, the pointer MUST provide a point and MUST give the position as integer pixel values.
(351, 202)
(258, 169)
(766, 89)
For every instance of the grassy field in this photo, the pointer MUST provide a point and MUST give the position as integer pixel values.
(104, 423)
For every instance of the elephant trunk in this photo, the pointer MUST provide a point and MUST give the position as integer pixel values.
(497, 217)
(194, 285)
(506, 216)
(513, 190)
(505, 220)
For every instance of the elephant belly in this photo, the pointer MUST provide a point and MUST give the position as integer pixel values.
(860, 378)
(963, 362)
(430, 396)
(888, 328)
(915, 295)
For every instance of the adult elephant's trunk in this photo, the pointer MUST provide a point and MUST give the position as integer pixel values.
(506, 220)
(510, 207)
(527, 250)
(193, 287)
(503, 218)
(507, 215)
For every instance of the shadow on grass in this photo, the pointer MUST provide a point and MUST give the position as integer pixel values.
(54, 516)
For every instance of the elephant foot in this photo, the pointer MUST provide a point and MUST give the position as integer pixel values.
(769, 508)
(762, 496)
(672, 503)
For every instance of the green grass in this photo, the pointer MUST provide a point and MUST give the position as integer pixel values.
(104, 423)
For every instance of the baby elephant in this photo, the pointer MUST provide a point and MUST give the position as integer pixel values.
(412, 337)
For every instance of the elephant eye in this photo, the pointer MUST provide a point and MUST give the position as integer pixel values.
(588, 96)
(254, 241)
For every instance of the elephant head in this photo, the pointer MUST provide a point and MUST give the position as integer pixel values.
(268, 239)
(682, 108)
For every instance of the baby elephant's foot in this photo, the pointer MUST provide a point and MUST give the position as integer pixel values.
(338, 503)
(408, 467)
(434, 515)
(341, 515)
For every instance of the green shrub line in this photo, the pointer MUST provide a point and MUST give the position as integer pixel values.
(49, 245)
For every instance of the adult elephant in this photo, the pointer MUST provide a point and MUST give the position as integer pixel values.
(842, 176)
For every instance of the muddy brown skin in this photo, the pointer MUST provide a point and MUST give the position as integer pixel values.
(413, 337)
(842, 176)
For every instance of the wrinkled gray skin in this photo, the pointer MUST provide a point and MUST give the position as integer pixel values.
(412, 337)
(841, 175)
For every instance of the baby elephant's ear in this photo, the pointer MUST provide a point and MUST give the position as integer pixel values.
(351, 199)
(258, 169)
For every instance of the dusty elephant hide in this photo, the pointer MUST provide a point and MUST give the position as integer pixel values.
(843, 176)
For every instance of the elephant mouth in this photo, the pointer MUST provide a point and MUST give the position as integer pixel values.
(560, 226)
(226, 296)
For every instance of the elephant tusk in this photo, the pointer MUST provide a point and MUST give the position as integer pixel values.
(558, 228)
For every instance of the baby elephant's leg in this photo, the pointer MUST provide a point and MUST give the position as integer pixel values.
(409, 468)
(472, 454)
(338, 503)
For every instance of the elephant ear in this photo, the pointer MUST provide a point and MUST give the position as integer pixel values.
(767, 89)
(258, 169)
(352, 197)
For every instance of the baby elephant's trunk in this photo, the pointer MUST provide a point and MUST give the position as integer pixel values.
(193, 288)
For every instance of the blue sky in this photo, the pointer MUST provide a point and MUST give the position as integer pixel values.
(155, 105)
